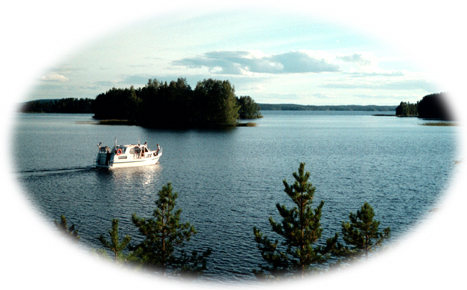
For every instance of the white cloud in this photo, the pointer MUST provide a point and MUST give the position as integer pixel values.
(321, 96)
(249, 62)
(363, 64)
(357, 58)
(253, 63)
(400, 84)
(54, 77)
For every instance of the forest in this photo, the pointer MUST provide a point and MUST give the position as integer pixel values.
(68, 105)
(431, 106)
(212, 103)
(407, 109)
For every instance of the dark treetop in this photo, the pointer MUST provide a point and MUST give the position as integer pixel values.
(432, 106)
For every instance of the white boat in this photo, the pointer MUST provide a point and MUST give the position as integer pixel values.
(126, 155)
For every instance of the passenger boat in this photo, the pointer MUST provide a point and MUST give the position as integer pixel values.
(126, 155)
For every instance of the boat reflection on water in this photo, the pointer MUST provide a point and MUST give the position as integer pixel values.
(146, 179)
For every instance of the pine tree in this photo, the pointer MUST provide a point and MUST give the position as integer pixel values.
(165, 237)
(114, 245)
(361, 234)
(70, 232)
(215, 103)
(300, 230)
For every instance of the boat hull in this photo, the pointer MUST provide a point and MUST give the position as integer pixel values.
(132, 163)
(123, 156)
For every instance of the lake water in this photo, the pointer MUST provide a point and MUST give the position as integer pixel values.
(230, 180)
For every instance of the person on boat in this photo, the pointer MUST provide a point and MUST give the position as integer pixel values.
(144, 149)
(137, 152)
(158, 148)
(107, 155)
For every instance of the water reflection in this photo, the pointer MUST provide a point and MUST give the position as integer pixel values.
(145, 177)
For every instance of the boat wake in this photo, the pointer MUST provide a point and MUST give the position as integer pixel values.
(55, 170)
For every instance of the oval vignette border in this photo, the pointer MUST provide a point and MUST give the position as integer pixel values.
(56, 264)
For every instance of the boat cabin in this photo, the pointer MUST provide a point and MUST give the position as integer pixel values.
(124, 155)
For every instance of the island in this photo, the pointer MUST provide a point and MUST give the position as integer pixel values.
(212, 103)
(431, 106)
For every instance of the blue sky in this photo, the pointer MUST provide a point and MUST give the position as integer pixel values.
(273, 57)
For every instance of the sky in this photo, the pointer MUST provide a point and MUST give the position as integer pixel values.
(269, 55)
(55, 49)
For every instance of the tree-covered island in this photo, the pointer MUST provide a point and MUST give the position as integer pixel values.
(171, 105)
(212, 103)
(431, 107)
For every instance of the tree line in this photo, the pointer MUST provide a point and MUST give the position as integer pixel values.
(431, 106)
(161, 105)
(177, 105)
(68, 105)
(406, 109)
(295, 107)
(297, 253)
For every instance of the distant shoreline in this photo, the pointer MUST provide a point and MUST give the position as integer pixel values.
(86, 108)
(295, 107)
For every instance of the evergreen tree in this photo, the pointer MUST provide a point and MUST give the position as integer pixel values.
(132, 103)
(165, 237)
(114, 245)
(249, 109)
(361, 234)
(300, 229)
(215, 103)
(434, 106)
(407, 109)
(70, 232)
(101, 254)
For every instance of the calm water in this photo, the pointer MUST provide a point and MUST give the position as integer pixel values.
(230, 180)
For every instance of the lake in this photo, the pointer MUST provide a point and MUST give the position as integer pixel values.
(230, 180)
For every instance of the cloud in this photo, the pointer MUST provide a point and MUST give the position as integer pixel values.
(389, 99)
(410, 85)
(54, 77)
(104, 84)
(271, 98)
(357, 58)
(142, 79)
(249, 62)
(321, 96)
(385, 73)
(372, 97)
(414, 84)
